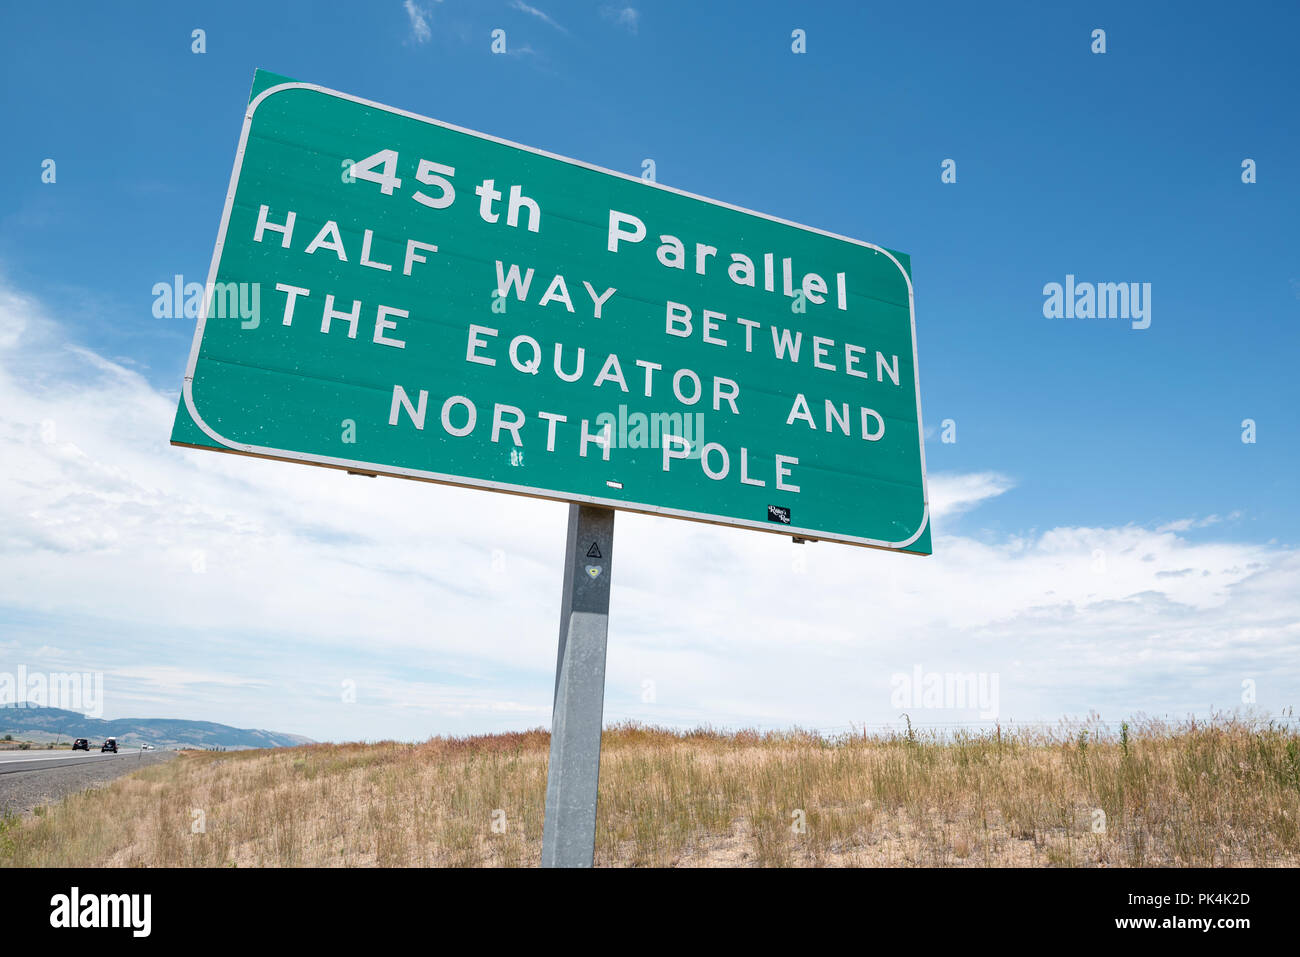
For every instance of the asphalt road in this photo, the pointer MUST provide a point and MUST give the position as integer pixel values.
(13, 761)
(30, 779)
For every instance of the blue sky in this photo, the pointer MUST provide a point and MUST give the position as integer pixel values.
(1115, 167)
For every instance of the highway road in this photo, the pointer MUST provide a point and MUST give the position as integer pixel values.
(11, 761)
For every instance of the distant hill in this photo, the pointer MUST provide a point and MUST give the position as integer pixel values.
(45, 724)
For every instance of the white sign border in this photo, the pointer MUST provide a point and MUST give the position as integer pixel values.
(356, 465)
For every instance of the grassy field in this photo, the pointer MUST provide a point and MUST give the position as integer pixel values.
(1226, 793)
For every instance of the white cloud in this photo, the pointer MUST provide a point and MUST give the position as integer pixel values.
(954, 494)
(246, 591)
(534, 12)
(419, 17)
(1186, 524)
(629, 18)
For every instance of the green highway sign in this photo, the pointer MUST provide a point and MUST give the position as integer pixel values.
(394, 295)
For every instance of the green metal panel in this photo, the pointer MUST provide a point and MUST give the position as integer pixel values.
(272, 386)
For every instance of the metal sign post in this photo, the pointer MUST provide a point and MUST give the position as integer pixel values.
(569, 830)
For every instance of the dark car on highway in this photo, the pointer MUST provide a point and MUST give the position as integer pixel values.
(110, 744)
(81, 744)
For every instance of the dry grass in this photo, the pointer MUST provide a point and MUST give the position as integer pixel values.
(1219, 794)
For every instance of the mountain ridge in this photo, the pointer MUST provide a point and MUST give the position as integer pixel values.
(160, 732)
